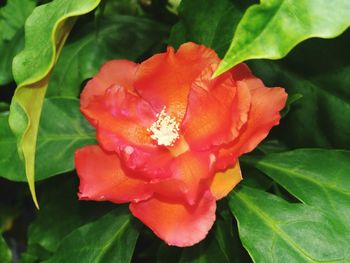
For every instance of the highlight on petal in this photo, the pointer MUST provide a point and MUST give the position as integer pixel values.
(120, 72)
(165, 79)
(177, 223)
(102, 177)
(224, 182)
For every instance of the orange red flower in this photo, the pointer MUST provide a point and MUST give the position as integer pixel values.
(170, 136)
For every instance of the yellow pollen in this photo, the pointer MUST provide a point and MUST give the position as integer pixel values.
(165, 130)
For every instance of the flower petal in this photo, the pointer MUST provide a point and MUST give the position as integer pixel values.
(165, 79)
(263, 115)
(121, 72)
(194, 171)
(102, 177)
(177, 223)
(123, 113)
(216, 111)
(224, 182)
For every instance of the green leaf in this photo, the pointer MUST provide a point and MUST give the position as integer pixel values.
(273, 230)
(82, 57)
(273, 27)
(111, 238)
(319, 71)
(31, 69)
(62, 130)
(5, 253)
(212, 24)
(319, 178)
(60, 201)
(13, 16)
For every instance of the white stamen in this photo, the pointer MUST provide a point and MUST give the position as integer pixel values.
(165, 130)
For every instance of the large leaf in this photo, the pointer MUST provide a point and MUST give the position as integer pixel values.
(111, 238)
(12, 18)
(273, 230)
(82, 57)
(46, 30)
(5, 253)
(212, 24)
(60, 201)
(316, 177)
(273, 27)
(319, 70)
(62, 130)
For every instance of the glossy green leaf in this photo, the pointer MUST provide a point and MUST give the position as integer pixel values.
(31, 69)
(318, 70)
(82, 57)
(273, 27)
(62, 130)
(212, 24)
(5, 253)
(319, 178)
(12, 18)
(273, 230)
(111, 238)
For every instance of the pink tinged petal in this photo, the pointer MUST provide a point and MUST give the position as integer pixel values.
(102, 178)
(120, 72)
(122, 113)
(165, 79)
(177, 224)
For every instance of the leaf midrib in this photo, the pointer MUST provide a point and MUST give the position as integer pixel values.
(301, 176)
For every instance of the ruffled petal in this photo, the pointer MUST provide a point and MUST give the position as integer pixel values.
(216, 111)
(224, 182)
(263, 115)
(177, 223)
(122, 113)
(165, 79)
(102, 178)
(120, 72)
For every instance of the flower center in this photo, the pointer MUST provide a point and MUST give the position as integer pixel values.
(165, 130)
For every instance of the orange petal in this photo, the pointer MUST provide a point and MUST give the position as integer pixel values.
(224, 182)
(102, 178)
(165, 79)
(263, 115)
(177, 223)
(120, 72)
(216, 111)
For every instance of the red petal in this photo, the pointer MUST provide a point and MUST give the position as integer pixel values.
(122, 113)
(263, 115)
(102, 177)
(177, 223)
(216, 111)
(190, 175)
(121, 72)
(165, 79)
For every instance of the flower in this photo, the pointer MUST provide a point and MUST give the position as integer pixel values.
(170, 136)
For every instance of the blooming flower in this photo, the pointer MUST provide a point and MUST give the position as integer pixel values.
(170, 136)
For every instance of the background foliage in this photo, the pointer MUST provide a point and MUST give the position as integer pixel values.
(294, 204)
